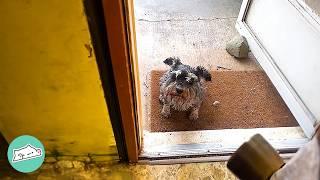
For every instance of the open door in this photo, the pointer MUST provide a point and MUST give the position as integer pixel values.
(284, 35)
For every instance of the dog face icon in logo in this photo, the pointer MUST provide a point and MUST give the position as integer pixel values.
(25, 153)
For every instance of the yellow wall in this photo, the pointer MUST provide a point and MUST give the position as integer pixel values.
(49, 87)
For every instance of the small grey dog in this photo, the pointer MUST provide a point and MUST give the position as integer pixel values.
(181, 88)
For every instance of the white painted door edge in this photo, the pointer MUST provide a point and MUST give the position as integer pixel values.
(302, 114)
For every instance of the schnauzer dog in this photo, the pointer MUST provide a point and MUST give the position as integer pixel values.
(181, 88)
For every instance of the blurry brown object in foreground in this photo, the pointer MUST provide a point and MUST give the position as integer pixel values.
(256, 159)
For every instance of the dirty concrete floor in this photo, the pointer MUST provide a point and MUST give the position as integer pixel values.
(67, 168)
(117, 171)
(194, 30)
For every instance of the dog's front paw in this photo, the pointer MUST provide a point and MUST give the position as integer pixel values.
(193, 115)
(165, 114)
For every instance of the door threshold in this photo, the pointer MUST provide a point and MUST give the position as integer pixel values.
(206, 158)
(215, 149)
(214, 145)
(153, 140)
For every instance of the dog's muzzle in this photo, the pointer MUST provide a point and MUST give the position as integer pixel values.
(179, 91)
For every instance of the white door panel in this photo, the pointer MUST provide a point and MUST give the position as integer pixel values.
(285, 38)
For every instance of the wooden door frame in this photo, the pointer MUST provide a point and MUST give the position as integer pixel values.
(122, 49)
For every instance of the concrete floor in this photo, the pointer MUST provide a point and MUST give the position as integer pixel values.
(194, 30)
(69, 168)
(66, 170)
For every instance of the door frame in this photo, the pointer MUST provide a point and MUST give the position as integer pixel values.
(100, 41)
(121, 40)
(115, 50)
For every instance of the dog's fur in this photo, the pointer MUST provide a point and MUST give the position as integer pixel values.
(181, 88)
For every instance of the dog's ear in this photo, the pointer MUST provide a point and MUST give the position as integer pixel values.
(202, 72)
(192, 78)
(172, 61)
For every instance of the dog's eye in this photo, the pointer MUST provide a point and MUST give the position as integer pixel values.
(189, 80)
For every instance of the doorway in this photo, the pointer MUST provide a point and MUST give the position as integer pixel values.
(240, 100)
(197, 33)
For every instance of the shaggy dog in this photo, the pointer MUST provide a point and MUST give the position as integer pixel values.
(181, 88)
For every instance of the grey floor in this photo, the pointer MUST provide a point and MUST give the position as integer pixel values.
(194, 30)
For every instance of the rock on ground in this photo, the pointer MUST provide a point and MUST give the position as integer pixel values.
(238, 47)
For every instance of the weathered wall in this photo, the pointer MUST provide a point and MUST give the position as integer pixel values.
(49, 82)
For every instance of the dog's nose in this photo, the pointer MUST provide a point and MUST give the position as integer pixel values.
(179, 91)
